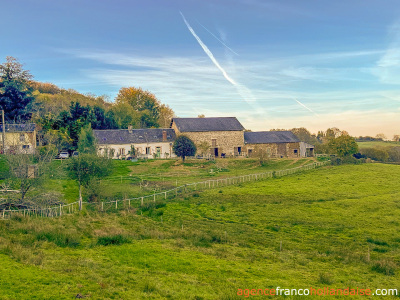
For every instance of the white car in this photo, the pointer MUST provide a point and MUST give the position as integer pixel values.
(63, 155)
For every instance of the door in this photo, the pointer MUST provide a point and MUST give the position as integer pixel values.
(216, 152)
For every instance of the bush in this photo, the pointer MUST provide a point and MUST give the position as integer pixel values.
(117, 239)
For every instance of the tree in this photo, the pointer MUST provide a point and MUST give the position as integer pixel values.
(15, 91)
(87, 141)
(304, 135)
(204, 147)
(143, 102)
(343, 145)
(26, 173)
(381, 136)
(396, 138)
(166, 115)
(86, 167)
(125, 115)
(183, 146)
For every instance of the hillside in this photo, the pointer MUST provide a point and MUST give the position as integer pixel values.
(335, 226)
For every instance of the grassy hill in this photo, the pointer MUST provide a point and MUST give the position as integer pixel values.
(334, 226)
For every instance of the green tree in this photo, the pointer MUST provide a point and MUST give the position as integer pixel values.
(87, 167)
(184, 146)
(15, 91)
(87, 142)
(343, 145)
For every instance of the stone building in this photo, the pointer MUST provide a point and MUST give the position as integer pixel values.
(276, 144)
(221, 136)
(148, 143)
(18, 138)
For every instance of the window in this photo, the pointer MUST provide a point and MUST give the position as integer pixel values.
(22, 137)
(214, 143)
(121, 151)
(25, 146)
(295, 151)
(148, 151)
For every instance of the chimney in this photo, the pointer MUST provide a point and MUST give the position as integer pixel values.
(164, 135)
(130, 128)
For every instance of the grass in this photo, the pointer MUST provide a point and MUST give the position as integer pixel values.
(317, 228)
(374, 144)
(134, 179)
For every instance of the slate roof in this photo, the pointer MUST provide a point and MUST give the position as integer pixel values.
(268, 137)
(207, 124)
(134, 136)
(30, 127)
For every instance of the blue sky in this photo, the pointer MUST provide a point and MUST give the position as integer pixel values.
(272, 64)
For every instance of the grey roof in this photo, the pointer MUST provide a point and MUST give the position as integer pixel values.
(134, 136)
(267, 137)
(207, 124)
(30, 127)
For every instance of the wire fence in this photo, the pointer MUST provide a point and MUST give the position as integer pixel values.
(127, 203)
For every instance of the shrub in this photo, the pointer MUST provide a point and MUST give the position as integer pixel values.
(117, 239)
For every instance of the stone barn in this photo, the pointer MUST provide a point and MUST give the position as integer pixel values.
(220, 137)
(274, 143)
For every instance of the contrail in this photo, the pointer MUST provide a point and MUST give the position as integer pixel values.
(218, 39)
(242, 90)
(208, 52)
(305, 107)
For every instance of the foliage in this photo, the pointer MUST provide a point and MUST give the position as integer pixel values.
(85, 167)
(142, 102)
(27, 173)
(87, 143)
(204, 148)
(184, 146)
(343, 145)
(15, 92)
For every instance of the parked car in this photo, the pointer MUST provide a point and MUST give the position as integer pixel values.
(75, 154)
(63, 155)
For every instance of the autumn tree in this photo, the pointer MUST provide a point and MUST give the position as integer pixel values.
(143, 102)
(15, 91)
(166, 115)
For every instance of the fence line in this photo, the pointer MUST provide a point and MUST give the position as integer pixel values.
(57, 211)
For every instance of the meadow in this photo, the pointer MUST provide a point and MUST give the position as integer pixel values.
(374, 144)
(334, 226)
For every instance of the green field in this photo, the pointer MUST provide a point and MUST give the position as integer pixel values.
(334, 226)
(135, 179)
(374, 144)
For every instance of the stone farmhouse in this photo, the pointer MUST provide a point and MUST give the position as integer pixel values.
(148, 143)
(219, 137)
(18, 138)
(224, 136)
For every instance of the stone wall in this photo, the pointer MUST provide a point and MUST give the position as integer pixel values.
(226, 142)
(290, 150)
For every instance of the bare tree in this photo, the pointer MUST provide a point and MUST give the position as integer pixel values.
(25, 177)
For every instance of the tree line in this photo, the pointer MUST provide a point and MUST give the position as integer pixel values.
(60, 114)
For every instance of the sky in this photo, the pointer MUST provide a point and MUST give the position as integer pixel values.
(272, 64)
